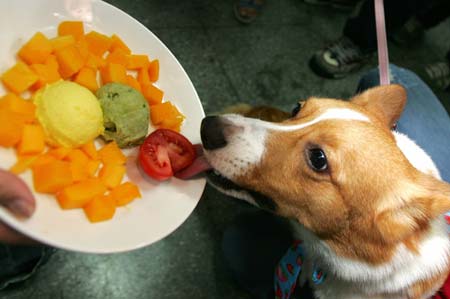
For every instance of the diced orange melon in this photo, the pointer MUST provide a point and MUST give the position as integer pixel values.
(60, 42)
(23, 163)
(172, 124)
(90, 150)
(133, 82)
(165, 111)
(52, 62)
(117, 43)
(112, 174)
(100, 208)
(153, 94)
(11, 129)
(60, 152)
(79, 171)
(52, 176)
(70, 61)
(125, 193)
(94, 62)
(136, 62)
(73, 28)
(98, 43)
(113, 72)
(43, 159)
(153, 70)
(24, 109)
(83, 48)
(79, 194)
(32, 141)
(111, 154)
(78, 164)
(87, 77)
(143, 77)
(36, 50)
(74, 175)
(92, 167)
(77, 155)
(19, 78)
(47, 74)
(118, 56)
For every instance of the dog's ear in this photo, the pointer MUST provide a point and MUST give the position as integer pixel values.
(385, 102)
(413, 211)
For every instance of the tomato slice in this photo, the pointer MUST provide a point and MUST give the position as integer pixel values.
(165, 152)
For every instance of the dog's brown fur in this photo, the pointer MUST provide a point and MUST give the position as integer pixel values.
(363, 216)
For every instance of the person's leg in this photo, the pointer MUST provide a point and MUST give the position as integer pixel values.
(424, 15)
(18, 263)
(437, 12)
(358, 41)
(424, 119)
(360, 27)
(253, 246)
(437, 74)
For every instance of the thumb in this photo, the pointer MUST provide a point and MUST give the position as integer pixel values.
(15, 195)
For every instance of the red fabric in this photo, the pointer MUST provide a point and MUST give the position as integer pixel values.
(444, 292)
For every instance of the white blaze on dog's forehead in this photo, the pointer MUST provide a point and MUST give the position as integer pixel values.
(247, 146)
(330, 114)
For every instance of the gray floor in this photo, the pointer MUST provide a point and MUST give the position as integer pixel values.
(264, 63)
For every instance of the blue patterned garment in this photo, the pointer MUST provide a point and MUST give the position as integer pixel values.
(289, 269)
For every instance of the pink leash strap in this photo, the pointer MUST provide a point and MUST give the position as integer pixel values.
(383, 56)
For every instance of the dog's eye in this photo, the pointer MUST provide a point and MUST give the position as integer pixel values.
(297, 108)
(317, 159)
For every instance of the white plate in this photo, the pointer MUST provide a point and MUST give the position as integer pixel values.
(164, 206)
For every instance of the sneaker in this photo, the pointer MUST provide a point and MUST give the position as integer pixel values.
(437, 75)
(411, 32)
(338, 4)
(339, 59)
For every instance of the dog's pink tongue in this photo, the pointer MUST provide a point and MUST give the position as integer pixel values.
(198, 166)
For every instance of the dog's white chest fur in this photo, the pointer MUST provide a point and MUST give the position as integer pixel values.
(349, 279)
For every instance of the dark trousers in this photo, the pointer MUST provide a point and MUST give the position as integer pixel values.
(360, 27)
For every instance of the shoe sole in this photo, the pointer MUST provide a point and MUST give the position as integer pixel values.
(319, 70)
(322, 73)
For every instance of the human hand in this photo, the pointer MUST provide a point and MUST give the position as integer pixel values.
(17, 198)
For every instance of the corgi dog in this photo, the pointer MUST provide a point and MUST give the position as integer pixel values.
(367, 202)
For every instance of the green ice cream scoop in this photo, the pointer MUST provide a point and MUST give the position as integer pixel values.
(125, 114)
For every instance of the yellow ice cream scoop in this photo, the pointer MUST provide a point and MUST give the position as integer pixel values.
(69, 113)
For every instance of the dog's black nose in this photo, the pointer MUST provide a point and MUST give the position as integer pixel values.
(212, 134)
